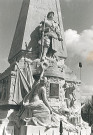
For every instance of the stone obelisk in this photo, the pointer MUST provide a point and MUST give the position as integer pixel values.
(26, 35)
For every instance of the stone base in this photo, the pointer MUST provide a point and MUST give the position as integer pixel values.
(39, 130)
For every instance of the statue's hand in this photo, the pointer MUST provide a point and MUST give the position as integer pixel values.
(60, 39)
(26, 103)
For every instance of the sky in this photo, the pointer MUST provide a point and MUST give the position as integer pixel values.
(78, 28)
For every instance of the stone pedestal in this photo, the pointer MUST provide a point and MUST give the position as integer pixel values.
(38, 130)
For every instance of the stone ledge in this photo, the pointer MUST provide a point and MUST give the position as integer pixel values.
(39, 130)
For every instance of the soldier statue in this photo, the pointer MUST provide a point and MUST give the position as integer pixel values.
(49, 31)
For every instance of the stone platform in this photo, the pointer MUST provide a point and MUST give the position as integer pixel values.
(39, 130)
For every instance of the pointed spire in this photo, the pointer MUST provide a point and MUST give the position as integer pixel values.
(19, 32)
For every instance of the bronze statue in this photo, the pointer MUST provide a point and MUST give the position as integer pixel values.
(49, 31)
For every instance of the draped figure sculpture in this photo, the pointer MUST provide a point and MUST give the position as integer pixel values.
(37, 109)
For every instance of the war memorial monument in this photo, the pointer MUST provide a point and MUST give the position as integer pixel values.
(39, 94)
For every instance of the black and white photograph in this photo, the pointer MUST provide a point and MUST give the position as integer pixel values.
(46, 67)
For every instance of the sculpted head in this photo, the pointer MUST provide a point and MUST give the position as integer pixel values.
(50, 15)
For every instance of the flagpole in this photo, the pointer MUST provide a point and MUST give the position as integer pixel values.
(80, 66)
(80, 73)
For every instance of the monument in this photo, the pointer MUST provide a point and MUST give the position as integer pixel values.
(37, 54)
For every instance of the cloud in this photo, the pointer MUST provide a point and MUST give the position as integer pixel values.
(71, 36)
(86, 90)
(80, 44)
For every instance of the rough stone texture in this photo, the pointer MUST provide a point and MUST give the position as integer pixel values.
(32, 13)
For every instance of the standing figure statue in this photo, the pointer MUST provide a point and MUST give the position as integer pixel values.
(49, 31)
(69, 94)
